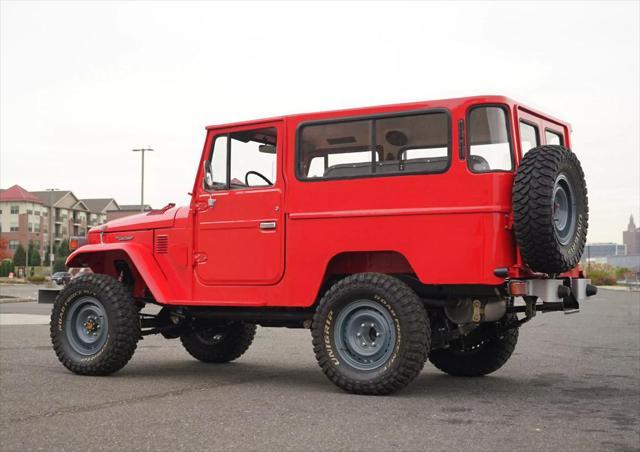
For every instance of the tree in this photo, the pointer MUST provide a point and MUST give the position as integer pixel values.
(63, 249)
(20, 256)
(5, 252)
(34, 255)
(59, 264)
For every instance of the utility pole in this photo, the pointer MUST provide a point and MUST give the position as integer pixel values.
(142, 151)
(26, 254)
(50, 235)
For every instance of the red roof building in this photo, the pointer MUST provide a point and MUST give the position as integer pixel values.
(18, 194)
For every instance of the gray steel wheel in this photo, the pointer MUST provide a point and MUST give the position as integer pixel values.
(371, 334)
(365, 335)
(95, 325)
(564, 209)
(87, 325)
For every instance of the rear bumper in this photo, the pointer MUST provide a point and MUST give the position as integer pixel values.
(553, 290)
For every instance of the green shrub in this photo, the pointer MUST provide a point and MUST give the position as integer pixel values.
(6, 267)
(602, 274)
(58, 264)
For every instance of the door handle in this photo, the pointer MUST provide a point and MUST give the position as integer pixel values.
(267, 225)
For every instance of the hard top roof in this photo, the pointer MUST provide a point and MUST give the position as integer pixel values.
(369, 110)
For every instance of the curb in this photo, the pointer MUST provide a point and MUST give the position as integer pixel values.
(16, 300)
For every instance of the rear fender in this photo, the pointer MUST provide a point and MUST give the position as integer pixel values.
(101, 258)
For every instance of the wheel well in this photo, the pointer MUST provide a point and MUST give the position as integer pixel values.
(344, 264)
(118, 265)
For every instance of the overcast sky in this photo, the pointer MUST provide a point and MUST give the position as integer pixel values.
(82, 83)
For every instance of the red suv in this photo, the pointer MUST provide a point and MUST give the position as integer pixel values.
(396, 234)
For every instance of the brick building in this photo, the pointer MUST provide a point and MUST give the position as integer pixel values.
(27, 216)
(23, 218)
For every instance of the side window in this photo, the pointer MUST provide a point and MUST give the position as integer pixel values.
(403, 144)
(489, 141)
(553, 137)
(243, 160)
(529, 137)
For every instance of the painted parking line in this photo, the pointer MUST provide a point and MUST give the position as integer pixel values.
(23, 319)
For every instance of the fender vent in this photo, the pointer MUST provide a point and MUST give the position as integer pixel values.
(162, 244)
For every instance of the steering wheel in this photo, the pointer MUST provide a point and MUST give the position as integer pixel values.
(246, 178)
(479, 164)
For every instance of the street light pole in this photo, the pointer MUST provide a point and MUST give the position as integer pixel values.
(143, 150)
(51, 238)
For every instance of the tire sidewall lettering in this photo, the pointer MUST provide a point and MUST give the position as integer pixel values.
(328, 332)
(64, 306)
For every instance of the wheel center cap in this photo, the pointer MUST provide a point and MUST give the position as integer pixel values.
(91, 326)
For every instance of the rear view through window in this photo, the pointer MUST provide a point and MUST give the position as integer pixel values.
(489, 143)
(404, 144)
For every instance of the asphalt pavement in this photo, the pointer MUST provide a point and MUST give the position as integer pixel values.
(573, 384)
(20, 291)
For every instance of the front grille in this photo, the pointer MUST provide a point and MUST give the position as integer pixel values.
(162, 244)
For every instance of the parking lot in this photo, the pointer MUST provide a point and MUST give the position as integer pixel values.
(572, 384)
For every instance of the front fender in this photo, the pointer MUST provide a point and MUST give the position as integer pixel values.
(100, 258)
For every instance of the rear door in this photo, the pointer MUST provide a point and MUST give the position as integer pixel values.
(239, 236)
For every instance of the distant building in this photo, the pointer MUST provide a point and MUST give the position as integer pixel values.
(98, 209)
(631, 237)
(27, 216)
(599, 252)
(630, 261)
(23, 218)
(126, 210)
(69, 214)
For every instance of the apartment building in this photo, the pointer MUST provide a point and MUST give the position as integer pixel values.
(28, 216)
(23, 218)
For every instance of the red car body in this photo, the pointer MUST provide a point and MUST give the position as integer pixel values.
(453, 228)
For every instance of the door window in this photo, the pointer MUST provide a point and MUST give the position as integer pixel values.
(242, 160)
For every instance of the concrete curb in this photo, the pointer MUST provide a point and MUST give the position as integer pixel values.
(619, 288)
(16, 300)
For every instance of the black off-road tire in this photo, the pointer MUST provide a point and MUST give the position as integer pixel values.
(482, 352)
(236, 338)
(411, 329)
(123, 325)
(539, 173)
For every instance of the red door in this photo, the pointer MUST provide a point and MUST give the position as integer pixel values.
(239, 237)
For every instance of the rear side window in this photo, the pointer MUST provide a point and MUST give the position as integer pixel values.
(554, 137)
(379, 146)
(489, 140)
(529, 137)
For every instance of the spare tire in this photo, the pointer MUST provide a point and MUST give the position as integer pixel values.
(550, 209)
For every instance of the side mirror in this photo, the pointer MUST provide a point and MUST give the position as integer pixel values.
(267, 148)
(208, 176)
